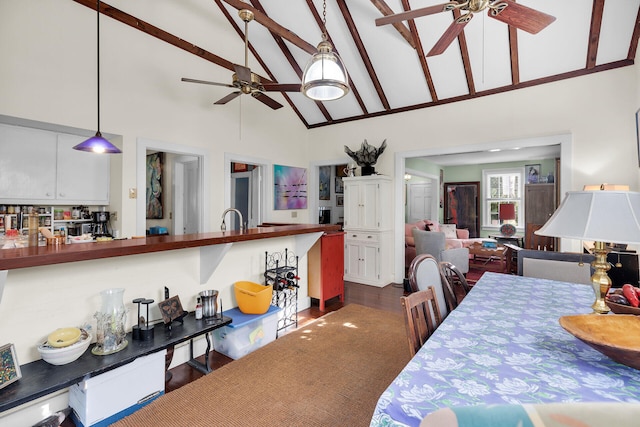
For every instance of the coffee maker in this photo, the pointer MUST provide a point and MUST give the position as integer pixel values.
(100, 225)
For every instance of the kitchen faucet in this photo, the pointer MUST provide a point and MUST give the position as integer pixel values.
(223, 226)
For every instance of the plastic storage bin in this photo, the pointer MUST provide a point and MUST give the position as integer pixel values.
(246, 333)
(252, 298)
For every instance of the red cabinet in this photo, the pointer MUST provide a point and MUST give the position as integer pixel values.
(326, 268)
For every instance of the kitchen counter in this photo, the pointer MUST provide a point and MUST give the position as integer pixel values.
(47, 255)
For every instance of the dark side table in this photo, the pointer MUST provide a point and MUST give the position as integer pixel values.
(514, 240)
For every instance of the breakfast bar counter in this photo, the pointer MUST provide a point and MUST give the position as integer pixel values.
(46, 255)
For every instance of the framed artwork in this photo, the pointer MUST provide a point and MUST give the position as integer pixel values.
(533, 173)
(239, 167)
(339, 200)
(638, 134)
(462, 205)
(290, 187)
(324, 175)
(171, 309)
(341, 170)
(9, 366)
(339, 185)
(155, 163)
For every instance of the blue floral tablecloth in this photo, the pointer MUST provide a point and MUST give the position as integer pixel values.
(504, 344)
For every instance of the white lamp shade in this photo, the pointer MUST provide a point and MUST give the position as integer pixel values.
(325, 77)
(603, 216)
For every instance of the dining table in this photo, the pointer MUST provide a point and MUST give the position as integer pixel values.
(504, 345)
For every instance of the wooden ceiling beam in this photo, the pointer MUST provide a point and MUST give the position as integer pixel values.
(296, 68)
(406, 33)
(464, 52)
(633, 46)
(363, 53)
(513, 55)
(421, 56)
(273, 26)
(594, 33)
(156, 32)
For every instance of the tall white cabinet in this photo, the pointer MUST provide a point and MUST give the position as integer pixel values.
(368, 227)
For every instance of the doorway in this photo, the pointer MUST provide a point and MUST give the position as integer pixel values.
(193, 166)
(246, 183)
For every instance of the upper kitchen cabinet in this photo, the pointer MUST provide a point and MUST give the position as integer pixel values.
(82, 178)
(41, 167)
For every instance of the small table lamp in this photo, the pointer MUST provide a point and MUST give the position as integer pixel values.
(601, 216)
(507, 212)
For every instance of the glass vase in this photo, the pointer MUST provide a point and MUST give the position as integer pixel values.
(110, 323)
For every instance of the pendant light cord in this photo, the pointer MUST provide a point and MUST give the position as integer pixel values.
(98, 61)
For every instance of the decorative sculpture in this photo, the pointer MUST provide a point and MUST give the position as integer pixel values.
(366, 156)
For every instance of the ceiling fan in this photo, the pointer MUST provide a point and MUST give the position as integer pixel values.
(246, 81)
(509, 12)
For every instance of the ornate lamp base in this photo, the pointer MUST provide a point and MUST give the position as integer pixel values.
(600, 280)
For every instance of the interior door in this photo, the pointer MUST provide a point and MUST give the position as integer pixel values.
(186, 187)
(421, 200)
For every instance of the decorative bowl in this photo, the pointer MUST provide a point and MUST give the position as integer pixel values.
(617, 337)
(623, 309)
(64, 355)
(252, 298)
(63, 337)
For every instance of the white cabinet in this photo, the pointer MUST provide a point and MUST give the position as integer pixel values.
(367, 203)
(368, 238)
(41, 167)
(27, 164)
(82, 178)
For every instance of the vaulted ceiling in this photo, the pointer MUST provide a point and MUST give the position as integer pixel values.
(388, 66)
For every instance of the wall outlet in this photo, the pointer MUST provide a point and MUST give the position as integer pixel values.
(294, 214)
(114, 216)
(133, 193)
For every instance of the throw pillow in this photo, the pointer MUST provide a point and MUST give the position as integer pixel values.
(449, 231)
(463, 233)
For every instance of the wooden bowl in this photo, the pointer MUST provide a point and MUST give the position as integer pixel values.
(623, 309)
(617, 337)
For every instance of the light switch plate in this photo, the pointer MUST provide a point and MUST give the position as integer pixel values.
(133, 193)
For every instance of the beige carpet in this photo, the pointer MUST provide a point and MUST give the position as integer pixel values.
(329, 373)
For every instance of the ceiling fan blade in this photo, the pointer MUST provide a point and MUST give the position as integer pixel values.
(230, 97)
(243, 73)
(184, 79)
(266, 100)
(416, 13)
(281, 87)
(450, 34)
(522, 17)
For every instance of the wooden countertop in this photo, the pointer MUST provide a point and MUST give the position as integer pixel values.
(47, 255)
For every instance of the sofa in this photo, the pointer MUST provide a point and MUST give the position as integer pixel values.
(454, 237)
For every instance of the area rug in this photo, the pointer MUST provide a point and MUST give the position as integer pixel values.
(328, 373)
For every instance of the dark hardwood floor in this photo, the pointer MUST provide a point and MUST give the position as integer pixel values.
(387, 298)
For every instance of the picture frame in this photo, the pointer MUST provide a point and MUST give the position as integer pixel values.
(341, 170)
(155, 185)
(462, 205)
(339, 200)
(9, 366)
(171, 309)
(638, 134)
(533, 173)
(339, 186)
(289, 187)
(324, 177)
(240, 167)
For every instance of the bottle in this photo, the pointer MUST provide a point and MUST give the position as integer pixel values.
(198, 310)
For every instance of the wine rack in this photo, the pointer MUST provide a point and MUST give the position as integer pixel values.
(281, 272)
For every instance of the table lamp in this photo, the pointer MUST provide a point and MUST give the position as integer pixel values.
(601, 216)
(507, 212)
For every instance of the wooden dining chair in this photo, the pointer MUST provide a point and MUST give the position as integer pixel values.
(424, 271)
(456, 280)
(421, 317)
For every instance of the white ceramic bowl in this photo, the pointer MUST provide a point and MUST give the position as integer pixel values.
(64, 355)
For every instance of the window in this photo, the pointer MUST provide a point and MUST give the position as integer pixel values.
(502, 186)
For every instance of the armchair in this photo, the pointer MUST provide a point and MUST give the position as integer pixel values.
(433, 243)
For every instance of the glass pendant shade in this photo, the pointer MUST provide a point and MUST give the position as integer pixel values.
(325, 76)
(97, 144)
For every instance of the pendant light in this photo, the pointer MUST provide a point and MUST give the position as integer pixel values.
(98, 144)
(325, 76)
